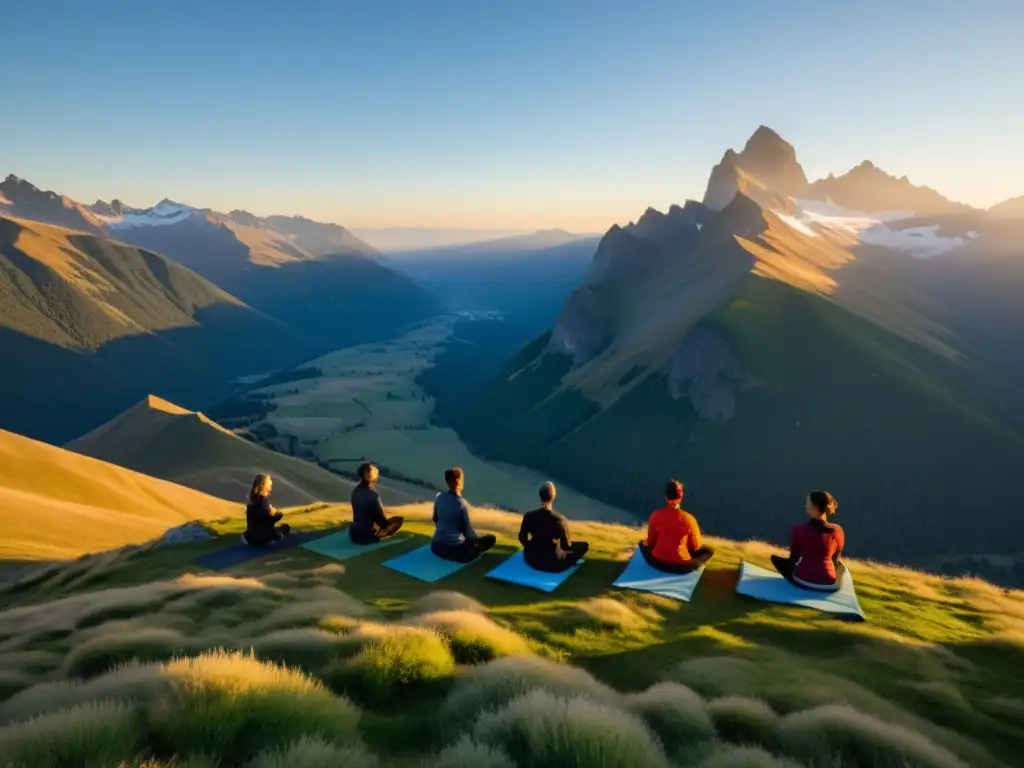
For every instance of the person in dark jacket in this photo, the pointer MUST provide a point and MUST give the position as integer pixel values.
(454, 537)
(369, 523)
(261, 519)
(544, 534)
(815, 547)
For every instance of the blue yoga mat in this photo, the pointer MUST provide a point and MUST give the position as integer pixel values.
(340, 547)
(516, 571)
(223, 559)
(641, 576)
(763, 584)
(424, 565)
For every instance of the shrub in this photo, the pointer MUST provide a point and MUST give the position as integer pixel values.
(398, 659)
(465, 753)
(92, 616)
(309, 613)
(444, 600)
(611, 613)
(746, 757)
(233, 706)
(107, 651)
(131, 683)
(743, 720)
(835, 733)
(674, 712)
(11, 682)
(95, 735)
(302, 647)
(473, 637)
(540, 729)
(493, 685)
(309, 752)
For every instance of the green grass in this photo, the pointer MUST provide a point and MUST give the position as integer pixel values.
(382, 665)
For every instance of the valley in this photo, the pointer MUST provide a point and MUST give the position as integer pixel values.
(368, 406)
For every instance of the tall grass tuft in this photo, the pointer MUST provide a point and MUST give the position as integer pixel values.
(833, 733)
(607, 612)
(311, 649)
(474, 638)
(234, 706)
(492, 685)
(748, 757)
(310, 752)
(465, 753)
(393, 663)
(543, 730)
(131, 683)
(743, 720)
(674, 712)
(444, 600)
(95, 735)
(107, 651)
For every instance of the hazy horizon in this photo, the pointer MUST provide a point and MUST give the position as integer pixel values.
(572, 115)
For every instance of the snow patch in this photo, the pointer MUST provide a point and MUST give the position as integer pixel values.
(159, 215)
(811, 216)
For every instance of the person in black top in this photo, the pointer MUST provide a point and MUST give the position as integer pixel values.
(261, 518)
(544, 535)
(369, 523)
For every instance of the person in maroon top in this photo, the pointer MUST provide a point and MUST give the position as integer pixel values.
(815, 548)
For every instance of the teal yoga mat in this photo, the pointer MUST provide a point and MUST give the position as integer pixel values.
(424, 565)
(340, 547)
(516, 571)
(639, 575)
(763, 584)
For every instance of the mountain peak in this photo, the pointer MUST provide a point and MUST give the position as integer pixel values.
(767, 159)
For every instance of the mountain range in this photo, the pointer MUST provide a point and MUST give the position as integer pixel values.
(858, 333)
(103, 304)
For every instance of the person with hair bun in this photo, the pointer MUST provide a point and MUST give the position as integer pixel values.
(544, 534)
(369, 523)
(673, 542)
(815, 547)
(454, 536)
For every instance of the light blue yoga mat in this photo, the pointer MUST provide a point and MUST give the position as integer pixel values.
(516, 571)
(763, 584)
(424, 565)
(340, 547)
(641, 576)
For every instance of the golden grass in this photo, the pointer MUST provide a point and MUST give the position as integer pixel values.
(547, 731)
(60, 505)
(444, 601)
(473, 637)
(609, 612)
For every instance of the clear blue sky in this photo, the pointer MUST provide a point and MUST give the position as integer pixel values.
(533, 113)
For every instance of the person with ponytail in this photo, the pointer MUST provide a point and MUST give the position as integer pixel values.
(673, 542)
(261, 519)
(815, 547)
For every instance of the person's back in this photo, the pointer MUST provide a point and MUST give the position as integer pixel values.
(369, 523)
(675, 535)
(545, 532)
(816, 546)
(451, 519)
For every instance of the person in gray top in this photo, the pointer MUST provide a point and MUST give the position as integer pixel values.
(369, 523)
(454, 537)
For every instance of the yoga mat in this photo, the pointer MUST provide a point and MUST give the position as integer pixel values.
(516, 571)
(763, 584)
(340, 547)
(223, 559)
(424, 565)
(639, 575)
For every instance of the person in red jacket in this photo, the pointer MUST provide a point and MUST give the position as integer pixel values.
(815, 547)
(673, 542)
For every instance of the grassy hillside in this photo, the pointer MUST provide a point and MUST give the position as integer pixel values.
(90, 325)
(161, 439)
(300, 661)
(776, 392)
(59, 505)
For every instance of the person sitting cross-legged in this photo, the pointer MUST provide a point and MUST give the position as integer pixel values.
(263, 525)
(544, 534)
(369, 523)
(673, 542)
(454, 537)
(815, 547)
